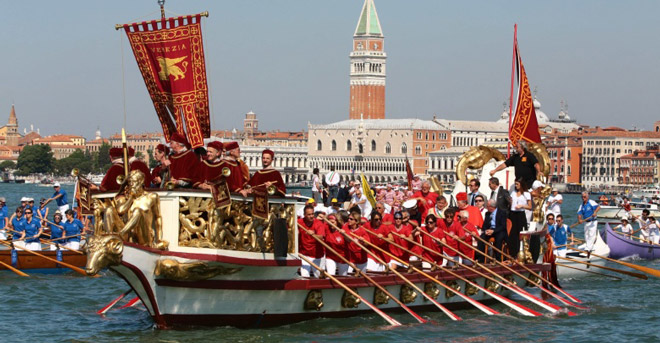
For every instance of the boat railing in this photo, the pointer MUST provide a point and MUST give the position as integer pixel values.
(191, 222)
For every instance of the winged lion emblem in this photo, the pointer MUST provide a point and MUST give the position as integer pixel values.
(168, 66)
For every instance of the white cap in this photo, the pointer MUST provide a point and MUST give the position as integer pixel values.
(56, 184)
(537, 184)
(24, 199)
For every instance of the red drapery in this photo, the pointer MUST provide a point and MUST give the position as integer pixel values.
(523, 124)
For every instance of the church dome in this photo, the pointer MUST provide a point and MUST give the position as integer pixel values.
(540, 116)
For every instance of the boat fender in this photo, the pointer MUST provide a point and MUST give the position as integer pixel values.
(280, 237)
(14, 258)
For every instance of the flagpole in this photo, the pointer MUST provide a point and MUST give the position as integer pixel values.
(513, 71)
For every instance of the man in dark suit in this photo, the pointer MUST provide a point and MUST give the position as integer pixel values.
(499, 194)
(494, 227)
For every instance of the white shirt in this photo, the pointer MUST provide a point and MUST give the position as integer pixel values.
(364, 207)
(555, 208)
(315, 182)
(625, 228)
(519, 200)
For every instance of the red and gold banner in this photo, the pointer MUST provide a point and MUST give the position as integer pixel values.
(260, 203)
(220, 193)
(84, 196)
(170, 55)
(523, 123)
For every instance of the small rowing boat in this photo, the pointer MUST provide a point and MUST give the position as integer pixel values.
(621, 246)
(31, 263)
(617, 212)
(600, 248)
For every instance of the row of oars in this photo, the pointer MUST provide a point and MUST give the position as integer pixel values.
(484, 271)
(43, 241)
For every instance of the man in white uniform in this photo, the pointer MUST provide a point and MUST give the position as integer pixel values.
(554, 202)
(587, 214)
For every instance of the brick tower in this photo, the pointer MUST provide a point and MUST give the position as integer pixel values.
(12, 135)
(368, 67)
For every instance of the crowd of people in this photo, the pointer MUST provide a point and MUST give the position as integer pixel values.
(29, 225)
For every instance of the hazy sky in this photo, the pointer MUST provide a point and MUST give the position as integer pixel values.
(287, 60)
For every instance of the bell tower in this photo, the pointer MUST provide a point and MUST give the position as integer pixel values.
(367, 99)
(12, 135)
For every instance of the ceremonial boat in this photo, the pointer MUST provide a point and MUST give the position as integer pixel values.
(29, 262)
(212, 267)
(621, 246)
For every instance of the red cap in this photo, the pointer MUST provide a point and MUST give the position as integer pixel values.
(461, 196)
(115, 152)
(131, 152)
(231, 145)
(177, 137)
(217, 145)
(268, 152)
(164, 148)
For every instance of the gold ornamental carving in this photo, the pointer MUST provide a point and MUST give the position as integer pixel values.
(314, 300)
(349, 300)
(103, 251)
(407, 294)
(470, 289)
(475, 158)
(380, 297)
(431, 290)
(492, 285)
(190, 271)
(134, 214)
(453, 285)
(232, 227)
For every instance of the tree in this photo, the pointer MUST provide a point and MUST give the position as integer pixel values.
(35, 159)
(102, 159)
(78, 159)
(6, 165)
(152, 161)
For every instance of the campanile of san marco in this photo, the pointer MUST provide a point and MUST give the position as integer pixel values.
(367, 99)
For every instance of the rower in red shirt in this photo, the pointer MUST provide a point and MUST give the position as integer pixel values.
(464, 222)
(309, 246)
(450, 229)
(356, 254)
(336, 240)
(266, 176)
(425, 198)
(431, 227)
(404, 230)
(382, 231)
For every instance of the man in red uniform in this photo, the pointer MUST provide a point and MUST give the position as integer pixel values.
(451, 229)
(267, 176)
(136, 164)
(475, 213)
(334, 238)
(211, 168)
(425, 198)
(160, 154)
(309, 246)
(184, 164)
(464, 222)
(234, 155)
(387, 217)
(109, 182)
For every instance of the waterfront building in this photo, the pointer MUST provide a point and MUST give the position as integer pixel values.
(141, 142)
(640, 168)
(602, 149)
(9, 135)
(62, 145)
(565, 152)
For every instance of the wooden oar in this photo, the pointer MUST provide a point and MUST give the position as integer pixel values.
(651, 271)
(504, 281)
(445, 310)
(485, 309)
(357, 270)
(387, 318)
(589, 271)
(10, 267)
(508, 302)
(633, 274)
(131, 303)
(107, 307)
(46, 241)
(527, 269)
(70, 266)
(65, 237)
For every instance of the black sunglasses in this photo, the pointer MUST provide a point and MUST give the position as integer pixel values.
(28, 212)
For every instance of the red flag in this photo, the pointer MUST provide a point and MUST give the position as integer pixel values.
(409, 174)
(170, 56)
(523, 124)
